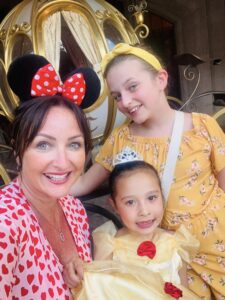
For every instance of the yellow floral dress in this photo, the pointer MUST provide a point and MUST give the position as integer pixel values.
(195, 199)
(132, 274)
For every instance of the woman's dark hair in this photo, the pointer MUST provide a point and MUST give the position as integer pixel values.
(29, 118)
(122, 169)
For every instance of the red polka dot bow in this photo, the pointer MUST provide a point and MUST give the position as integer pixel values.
(46, 82)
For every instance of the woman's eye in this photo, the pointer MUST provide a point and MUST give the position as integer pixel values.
(152, 197)
(43, 146)
(75, 145)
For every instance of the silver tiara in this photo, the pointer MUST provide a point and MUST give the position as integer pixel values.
(127, 154)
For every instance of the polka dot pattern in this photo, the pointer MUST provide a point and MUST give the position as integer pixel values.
(29, 269)
(47, 83)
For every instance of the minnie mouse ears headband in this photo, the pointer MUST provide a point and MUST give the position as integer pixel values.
(32, 76)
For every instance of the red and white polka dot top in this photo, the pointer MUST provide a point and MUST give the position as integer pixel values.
(29, 268)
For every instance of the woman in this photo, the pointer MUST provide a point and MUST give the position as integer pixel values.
(42, 227)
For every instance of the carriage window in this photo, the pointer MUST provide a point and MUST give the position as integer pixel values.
(71, 55)
(3, 88)
(21, 45)
(112, 35)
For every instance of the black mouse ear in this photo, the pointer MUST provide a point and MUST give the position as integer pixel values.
(93, 86)
(23, 69)
(21, 73)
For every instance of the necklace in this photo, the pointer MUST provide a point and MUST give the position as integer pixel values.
(40, 217)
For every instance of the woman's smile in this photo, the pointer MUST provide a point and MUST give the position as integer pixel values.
(58, 178)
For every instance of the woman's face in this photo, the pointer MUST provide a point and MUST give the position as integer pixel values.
(55, 158)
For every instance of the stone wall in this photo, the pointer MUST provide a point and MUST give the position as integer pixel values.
(200, 30)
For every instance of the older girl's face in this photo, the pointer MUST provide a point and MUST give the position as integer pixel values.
(139, 94)
(55, 158)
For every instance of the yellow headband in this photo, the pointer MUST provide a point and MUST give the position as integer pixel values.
(123, 48)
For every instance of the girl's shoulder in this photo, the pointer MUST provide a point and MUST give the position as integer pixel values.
(182, 239)
(121, 128)
(103, 240)
(196, 123)
(107, 228)
(201, 119)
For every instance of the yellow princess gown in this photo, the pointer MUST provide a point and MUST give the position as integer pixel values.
(131, 276)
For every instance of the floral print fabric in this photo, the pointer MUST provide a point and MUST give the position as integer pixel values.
(29, 267)
(195, 198)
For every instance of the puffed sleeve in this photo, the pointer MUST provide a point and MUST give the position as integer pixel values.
(187, 244)
(217, 139)
(8, 254)
(103, 237)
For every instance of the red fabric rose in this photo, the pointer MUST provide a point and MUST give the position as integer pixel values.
(147, 248)
(172, 290)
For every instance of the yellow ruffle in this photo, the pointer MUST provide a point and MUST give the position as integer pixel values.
(129, 276)
(110, 280)
(103, 240)
(186, 244)
(171, 247)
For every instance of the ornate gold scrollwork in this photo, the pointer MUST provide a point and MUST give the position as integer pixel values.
(140, 32)
(23, 27)
(141, 29)
(16, 43)
(43, 1)
(102, 15)
(6, 106)
(2, 34)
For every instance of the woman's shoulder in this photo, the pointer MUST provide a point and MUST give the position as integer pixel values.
(73, 208)
(11, 196)
(14, 209)
(11, 188)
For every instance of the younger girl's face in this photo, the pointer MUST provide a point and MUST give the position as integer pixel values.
(139, 201)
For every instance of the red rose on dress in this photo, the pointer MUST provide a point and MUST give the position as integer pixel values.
(147, 248)
(172, 290)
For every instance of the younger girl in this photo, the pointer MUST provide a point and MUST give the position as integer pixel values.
(139, 261)
(196, 198)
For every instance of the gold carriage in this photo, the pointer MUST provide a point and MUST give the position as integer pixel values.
(69, 34)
